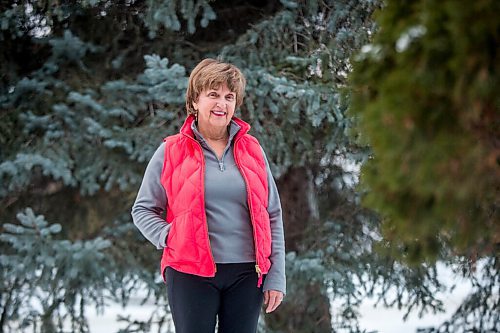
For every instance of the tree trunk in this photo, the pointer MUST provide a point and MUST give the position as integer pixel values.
(306, 308)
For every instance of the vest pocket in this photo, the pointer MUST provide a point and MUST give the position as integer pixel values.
(181, 240)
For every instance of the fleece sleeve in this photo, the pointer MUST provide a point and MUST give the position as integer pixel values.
(275, 279)
(151, 202)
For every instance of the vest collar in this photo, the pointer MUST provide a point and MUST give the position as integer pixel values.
(187, 130)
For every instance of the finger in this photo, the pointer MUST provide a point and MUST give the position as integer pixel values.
(277, 302)
(274, 301)
(270, 305)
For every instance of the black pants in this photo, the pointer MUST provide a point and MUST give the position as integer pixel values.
(232, 296)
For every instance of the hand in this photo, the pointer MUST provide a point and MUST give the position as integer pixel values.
(272, 298)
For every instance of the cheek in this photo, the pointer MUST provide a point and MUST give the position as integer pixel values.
(207, 106)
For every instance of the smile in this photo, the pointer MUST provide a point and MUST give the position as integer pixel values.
(218, 113)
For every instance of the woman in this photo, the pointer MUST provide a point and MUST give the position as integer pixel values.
(223, 244)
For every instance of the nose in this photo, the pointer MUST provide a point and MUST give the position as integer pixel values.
(221, 103)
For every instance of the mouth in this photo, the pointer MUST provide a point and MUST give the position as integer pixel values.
(218, 113)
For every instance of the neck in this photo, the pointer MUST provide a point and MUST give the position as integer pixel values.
(214, 134)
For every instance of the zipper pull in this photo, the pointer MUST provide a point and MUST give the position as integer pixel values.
(259, 274)
(221, 166)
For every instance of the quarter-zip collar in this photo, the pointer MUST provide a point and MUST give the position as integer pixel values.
(233, 130)
(244, 127)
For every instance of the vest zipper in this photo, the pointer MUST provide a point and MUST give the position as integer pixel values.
(257, 268)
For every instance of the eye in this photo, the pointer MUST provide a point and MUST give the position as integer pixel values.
(230, 97)
(212, 94)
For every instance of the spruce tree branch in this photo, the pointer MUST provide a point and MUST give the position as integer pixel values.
(6, 305)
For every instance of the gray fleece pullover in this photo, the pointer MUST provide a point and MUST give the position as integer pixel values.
(229, 226)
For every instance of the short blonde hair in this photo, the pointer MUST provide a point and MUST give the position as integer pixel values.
(210, 74)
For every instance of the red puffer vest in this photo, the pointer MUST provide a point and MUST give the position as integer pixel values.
(183, 177)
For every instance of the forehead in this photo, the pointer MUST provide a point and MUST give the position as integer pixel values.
(220, 87)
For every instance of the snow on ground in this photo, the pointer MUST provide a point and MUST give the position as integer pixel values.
(391, 320)
(107, 322)
(384, 320)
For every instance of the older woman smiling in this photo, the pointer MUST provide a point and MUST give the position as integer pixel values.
(223, 244)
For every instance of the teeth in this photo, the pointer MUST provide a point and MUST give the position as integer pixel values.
(219, 113)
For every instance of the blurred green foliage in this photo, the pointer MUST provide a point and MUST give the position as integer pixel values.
(425, 93)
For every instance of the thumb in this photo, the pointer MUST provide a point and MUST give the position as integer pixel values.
(266, 296)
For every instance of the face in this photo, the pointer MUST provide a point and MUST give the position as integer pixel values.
(215, 107)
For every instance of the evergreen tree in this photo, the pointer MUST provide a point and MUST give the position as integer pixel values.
(89, 89)
(425, 92)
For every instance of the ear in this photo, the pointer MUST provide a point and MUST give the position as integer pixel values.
(195, 106)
